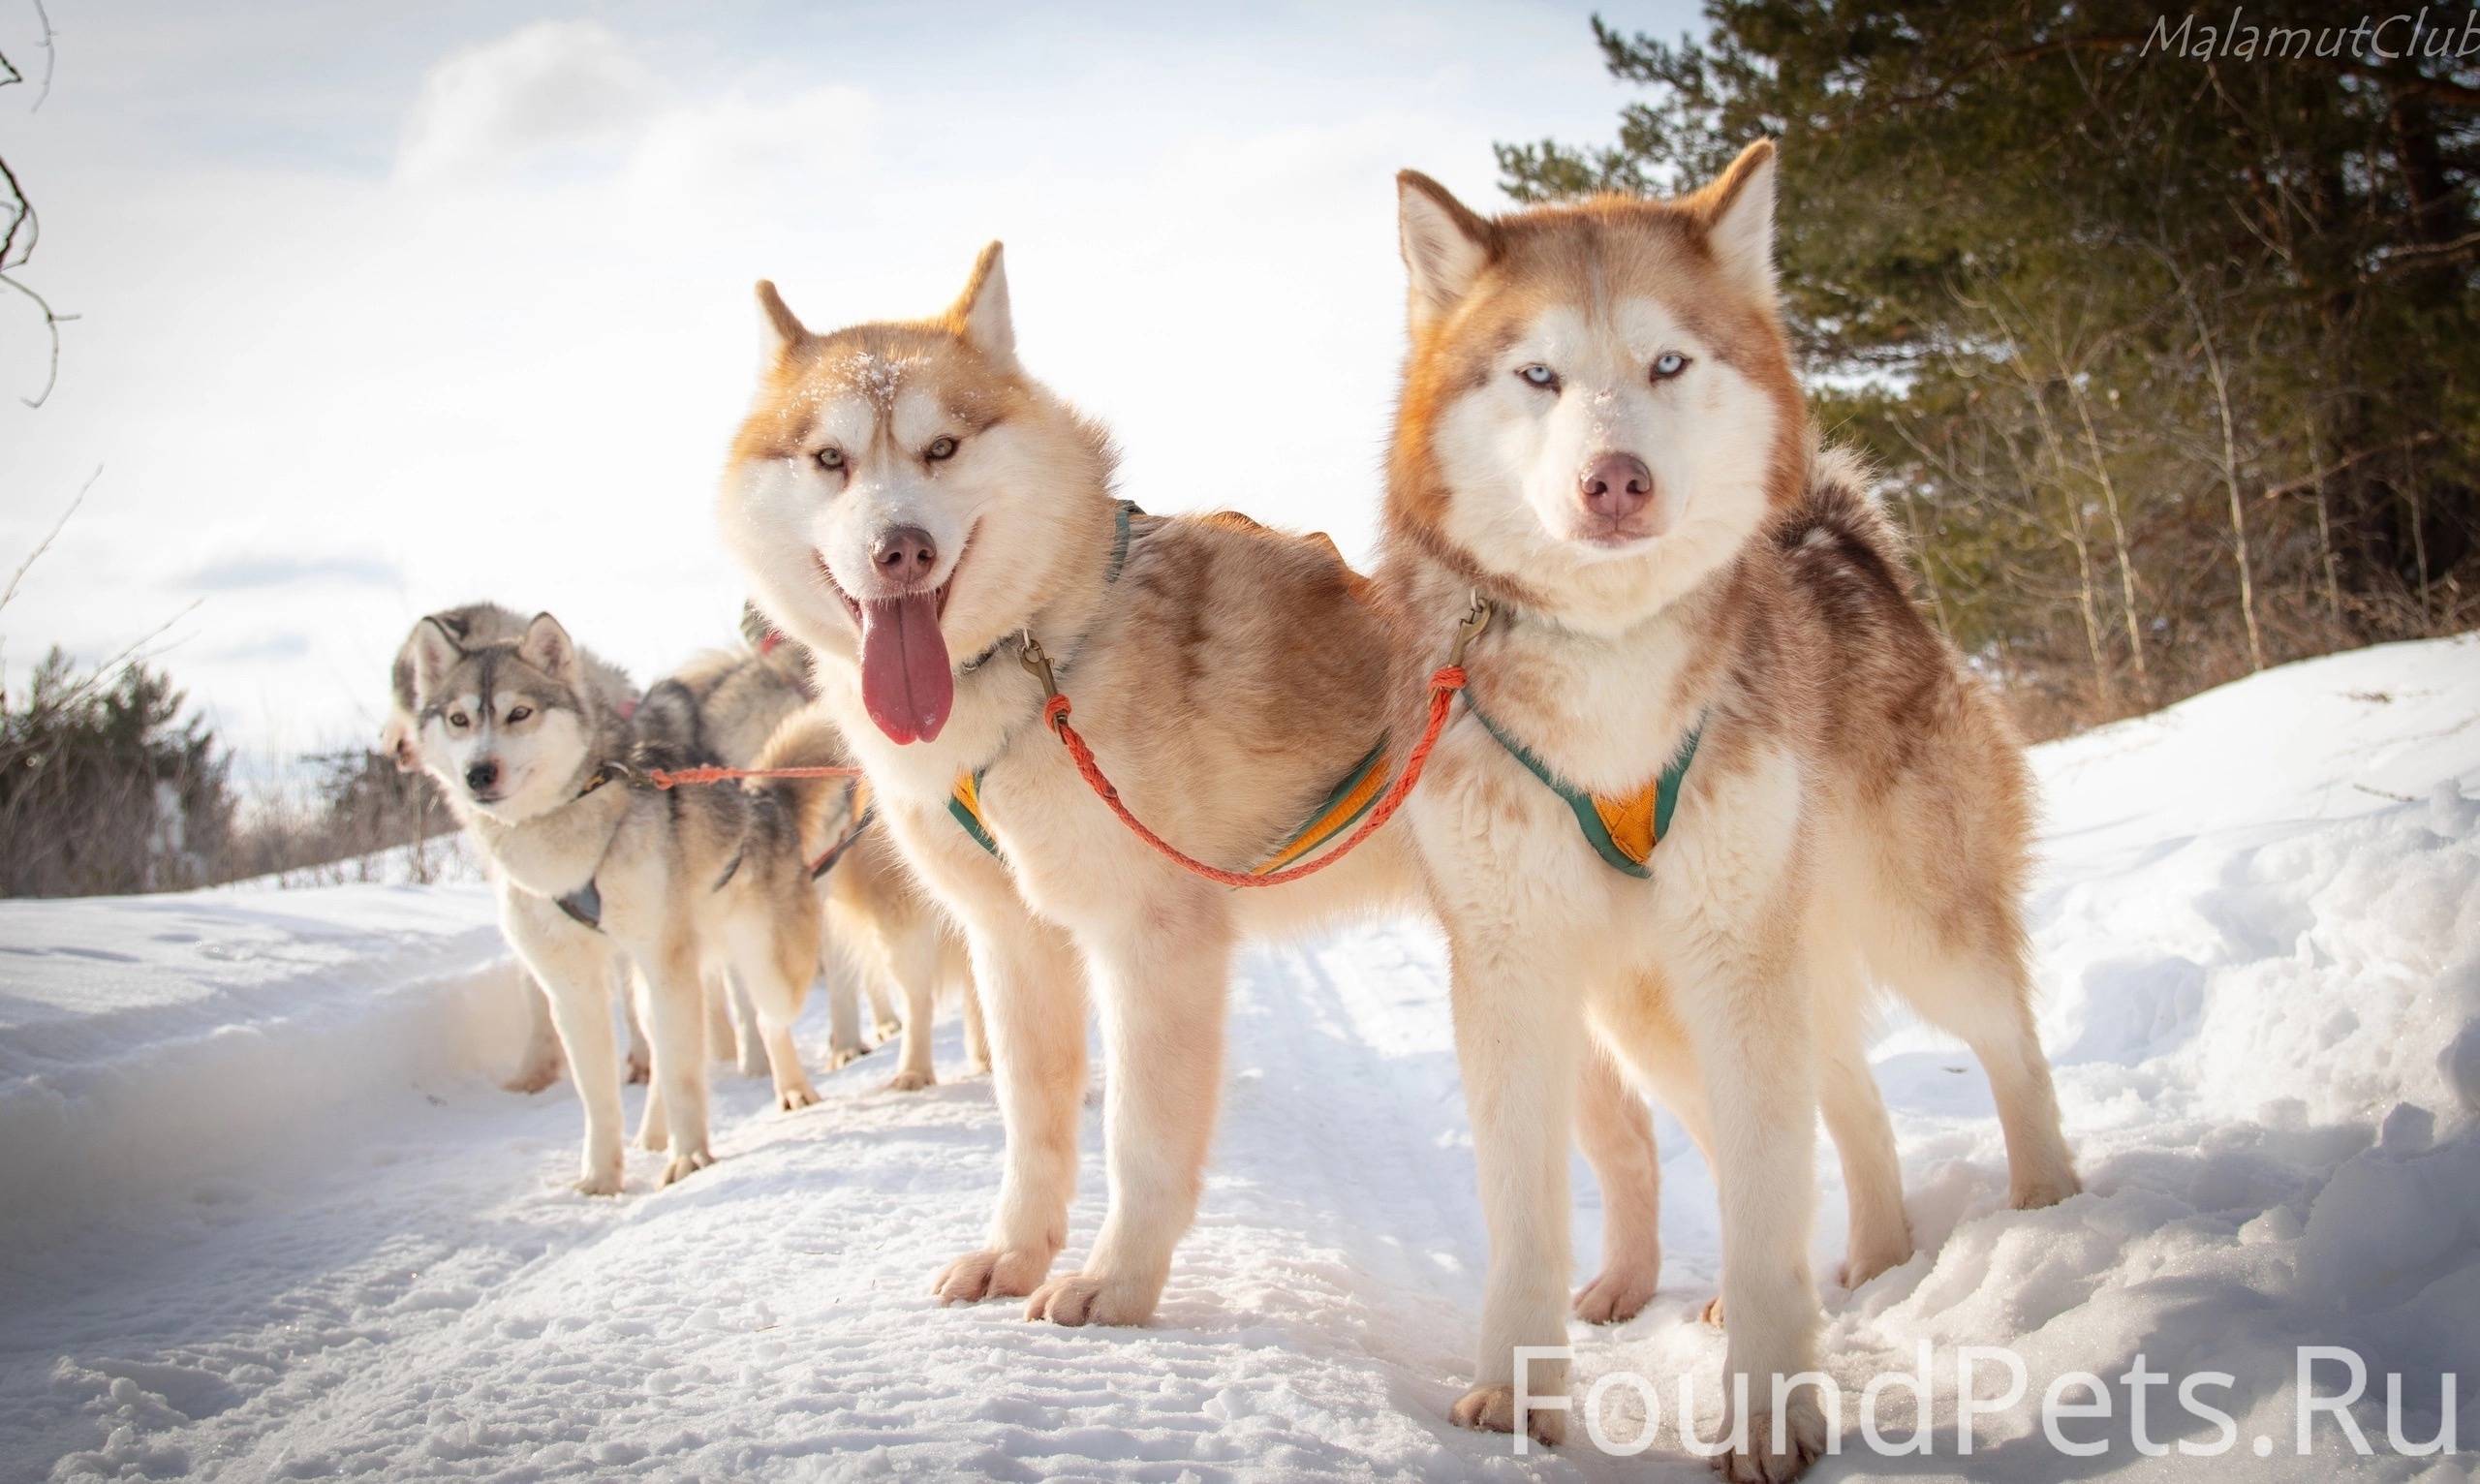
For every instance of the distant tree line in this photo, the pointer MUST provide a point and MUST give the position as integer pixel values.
(107, 788)
(2167, 347)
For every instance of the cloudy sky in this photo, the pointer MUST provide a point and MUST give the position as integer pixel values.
(389, 307)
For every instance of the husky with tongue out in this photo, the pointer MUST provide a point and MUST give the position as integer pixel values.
(918, 510)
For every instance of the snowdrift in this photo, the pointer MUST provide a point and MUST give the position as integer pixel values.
(268, 1218)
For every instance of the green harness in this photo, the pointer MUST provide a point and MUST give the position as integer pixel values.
(1622, 830)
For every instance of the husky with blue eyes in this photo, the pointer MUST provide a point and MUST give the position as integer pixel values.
(1717, 783)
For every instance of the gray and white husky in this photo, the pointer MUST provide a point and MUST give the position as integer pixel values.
(476, 623)
(601, 871)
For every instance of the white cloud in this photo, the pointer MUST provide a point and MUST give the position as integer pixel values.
(548, 90)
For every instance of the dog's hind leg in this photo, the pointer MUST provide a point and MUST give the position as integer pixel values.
(1986, 1001)
(882, 1015)
(1033, 986)
(914, 962)
(1642, 1030)
(748, 1042)
(977, 1034)
(541, 1066)
(1164, 976)
(838, 971)
(776, 979)
(722, 1019)
(1616, 1132)
(669, 997)
(1855, 1114)
(640, 1059)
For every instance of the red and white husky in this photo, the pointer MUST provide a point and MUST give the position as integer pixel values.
(1601, 440)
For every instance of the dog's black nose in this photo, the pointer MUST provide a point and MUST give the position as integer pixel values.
(482, 776)
(904, 555)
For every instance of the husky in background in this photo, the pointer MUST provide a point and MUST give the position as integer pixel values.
(1601, 448)
(601, 871)
(738, 707)
(479, 623)
(883, 926)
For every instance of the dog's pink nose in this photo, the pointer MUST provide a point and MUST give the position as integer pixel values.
(904, 555)
(1616, 486)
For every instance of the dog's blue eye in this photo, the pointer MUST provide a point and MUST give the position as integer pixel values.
(939, 447)
(1667, 364)
(1538, 374)
(830, 458)
(519, 713)
(459, 720)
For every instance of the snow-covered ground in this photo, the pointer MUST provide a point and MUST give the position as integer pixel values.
(267, 1215)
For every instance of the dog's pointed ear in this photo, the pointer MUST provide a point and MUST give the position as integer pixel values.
(1737, 214)
(980, 315)
(1446, 245)
(547, 647)
(780, 330)
(435, 653)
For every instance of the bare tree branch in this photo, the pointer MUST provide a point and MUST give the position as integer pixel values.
(44, 544)
(51, 54)
(14, 253)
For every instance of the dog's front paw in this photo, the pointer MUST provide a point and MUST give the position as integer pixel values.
(1756, 1460)
(686, 1163)
(1859, 1266)
(1492, 1410)
(1619, 1294)
(1088, 1298)
(600, 1180)
(538, 1073)
(991, 1272)
(840, 1057)
(793, 1098)
(2033, 1192)
(911, 1081)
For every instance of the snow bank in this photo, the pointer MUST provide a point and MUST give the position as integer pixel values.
(149, 1041)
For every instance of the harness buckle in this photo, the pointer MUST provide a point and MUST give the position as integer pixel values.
(1037, 664)
(1476, 619)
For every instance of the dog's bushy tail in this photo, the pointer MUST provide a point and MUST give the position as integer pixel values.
(1838, 528)
(818, 807)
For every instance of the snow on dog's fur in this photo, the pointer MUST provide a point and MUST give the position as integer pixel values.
(1601, 436)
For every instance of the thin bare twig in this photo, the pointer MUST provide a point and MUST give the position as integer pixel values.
(16, 254)
(43, 546)
(49, 56)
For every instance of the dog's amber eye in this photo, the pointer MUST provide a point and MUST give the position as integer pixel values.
(830, 458)
(1538, 374)
(1667, 364)
(459, 720)
(517, 714)
(939, 447)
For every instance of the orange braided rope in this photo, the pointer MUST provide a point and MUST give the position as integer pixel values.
(676, 778)
(1443, 685)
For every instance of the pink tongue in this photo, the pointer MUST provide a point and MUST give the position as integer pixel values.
(906, 681)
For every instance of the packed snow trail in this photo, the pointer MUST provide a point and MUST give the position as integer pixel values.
(270, 1218)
